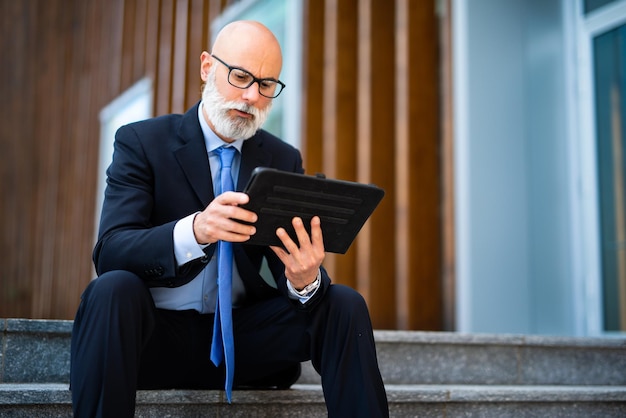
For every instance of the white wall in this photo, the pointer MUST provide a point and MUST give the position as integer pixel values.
(511, 167)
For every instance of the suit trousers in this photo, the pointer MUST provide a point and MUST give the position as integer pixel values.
(121, 342)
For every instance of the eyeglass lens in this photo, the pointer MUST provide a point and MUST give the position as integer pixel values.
(243, 79)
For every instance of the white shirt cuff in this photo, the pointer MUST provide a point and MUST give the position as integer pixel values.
(186, 248)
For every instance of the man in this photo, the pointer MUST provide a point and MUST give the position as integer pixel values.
(148, 320)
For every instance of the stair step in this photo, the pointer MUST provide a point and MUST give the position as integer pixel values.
(38, 351)
(412, 357)
(436, 358)
(35, 400)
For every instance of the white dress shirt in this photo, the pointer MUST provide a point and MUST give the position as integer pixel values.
(201, 292)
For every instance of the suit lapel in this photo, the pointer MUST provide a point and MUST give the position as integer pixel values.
(252, 156)
(193, 159)
(192, 156)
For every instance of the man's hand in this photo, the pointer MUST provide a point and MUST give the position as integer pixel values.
(219, 220)
(302, 262)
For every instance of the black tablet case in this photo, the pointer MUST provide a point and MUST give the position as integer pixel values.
(278, 196)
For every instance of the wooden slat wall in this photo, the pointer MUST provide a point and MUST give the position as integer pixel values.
(63, 61)
(418, 170)
(370, 108)
(371, 112)
(339, 109)
(376, 157)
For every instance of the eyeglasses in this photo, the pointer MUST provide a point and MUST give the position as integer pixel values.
(242, 79)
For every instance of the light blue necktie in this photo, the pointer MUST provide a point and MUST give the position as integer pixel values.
(223, 345)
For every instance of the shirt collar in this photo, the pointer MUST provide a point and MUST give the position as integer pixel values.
(211, 140)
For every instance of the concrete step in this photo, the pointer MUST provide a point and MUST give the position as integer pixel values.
(38, 351)
(34, 400)
(426, 374)
(409, 357)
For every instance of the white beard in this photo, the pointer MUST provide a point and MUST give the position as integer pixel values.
(217, 109)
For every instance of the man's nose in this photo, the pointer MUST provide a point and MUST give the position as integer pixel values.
(251, 93)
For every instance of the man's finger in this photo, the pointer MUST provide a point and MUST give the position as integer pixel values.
(317, 237)
(288, 243)
(303, 236)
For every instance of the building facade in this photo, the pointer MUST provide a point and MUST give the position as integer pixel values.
(495, 128)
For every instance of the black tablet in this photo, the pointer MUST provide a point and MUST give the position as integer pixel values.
(278, 196)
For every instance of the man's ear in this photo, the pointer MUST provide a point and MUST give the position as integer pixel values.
(205, 65)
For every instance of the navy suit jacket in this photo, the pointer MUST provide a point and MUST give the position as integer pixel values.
(160, 173)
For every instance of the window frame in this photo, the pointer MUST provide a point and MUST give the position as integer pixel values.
(587, 219)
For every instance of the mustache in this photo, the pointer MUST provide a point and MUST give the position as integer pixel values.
(219, 113)
(243, 107)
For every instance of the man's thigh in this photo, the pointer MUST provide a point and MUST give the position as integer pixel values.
(269, 336)
(177, 353)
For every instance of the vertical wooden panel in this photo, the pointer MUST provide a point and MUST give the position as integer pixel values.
(180, 58)
(376, 157)
(18, 146)
(448, 275)
(111, 40)
(418, 220)
(339, 112)
(313, 85)
(139, 34)
(82, 117)
(198, 27)
(165, 36)
(403, 163)
(48, 155)
(128, 44)
(73, 174)
(152, 49)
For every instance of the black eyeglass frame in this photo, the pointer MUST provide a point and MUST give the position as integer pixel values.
(254, 79)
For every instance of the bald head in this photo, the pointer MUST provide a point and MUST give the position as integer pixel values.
(250, 45)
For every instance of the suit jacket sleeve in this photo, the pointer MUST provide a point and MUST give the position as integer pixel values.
(129, 239)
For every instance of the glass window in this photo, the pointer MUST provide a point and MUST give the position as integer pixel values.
(609, 61)
(591, 5)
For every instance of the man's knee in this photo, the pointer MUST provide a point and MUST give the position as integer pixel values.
(116, 282)
(115, 299)
(346, 301)
(117, 288)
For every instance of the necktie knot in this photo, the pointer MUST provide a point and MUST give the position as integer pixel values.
(226, 156)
